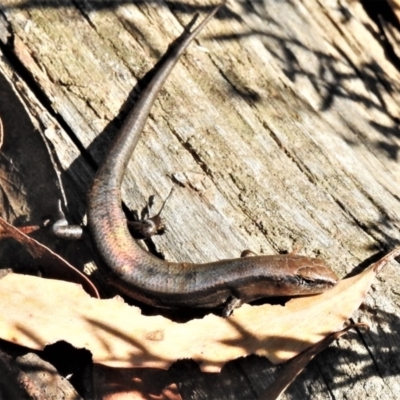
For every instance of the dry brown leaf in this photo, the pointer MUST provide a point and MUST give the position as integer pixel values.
(296, 365)
(395, 4)
(1, 132)
(52, 265)
(119, 336)
(133, 384)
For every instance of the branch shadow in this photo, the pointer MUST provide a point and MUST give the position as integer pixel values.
(328, 82)
(246, 378)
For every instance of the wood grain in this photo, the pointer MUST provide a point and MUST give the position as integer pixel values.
(279, 126)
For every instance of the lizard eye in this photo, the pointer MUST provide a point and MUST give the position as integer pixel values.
(307, 274)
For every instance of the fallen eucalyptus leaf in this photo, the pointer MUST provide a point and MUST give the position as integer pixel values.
(1, 132)
(133, 384)
(37, 312)
(295, 366)
(51, 264)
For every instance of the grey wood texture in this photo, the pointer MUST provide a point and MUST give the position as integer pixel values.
(278, 127)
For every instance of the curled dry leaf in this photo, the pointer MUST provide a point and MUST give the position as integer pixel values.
(52, 265)
(296, 365)
(395, 4)
(119, 336)
(1, 133)
(133, 384)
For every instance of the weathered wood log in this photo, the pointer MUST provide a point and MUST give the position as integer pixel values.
(277, 127)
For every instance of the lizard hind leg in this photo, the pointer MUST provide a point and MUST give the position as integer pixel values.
(145, 226)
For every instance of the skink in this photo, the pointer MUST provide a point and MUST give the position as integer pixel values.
(144, 277)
